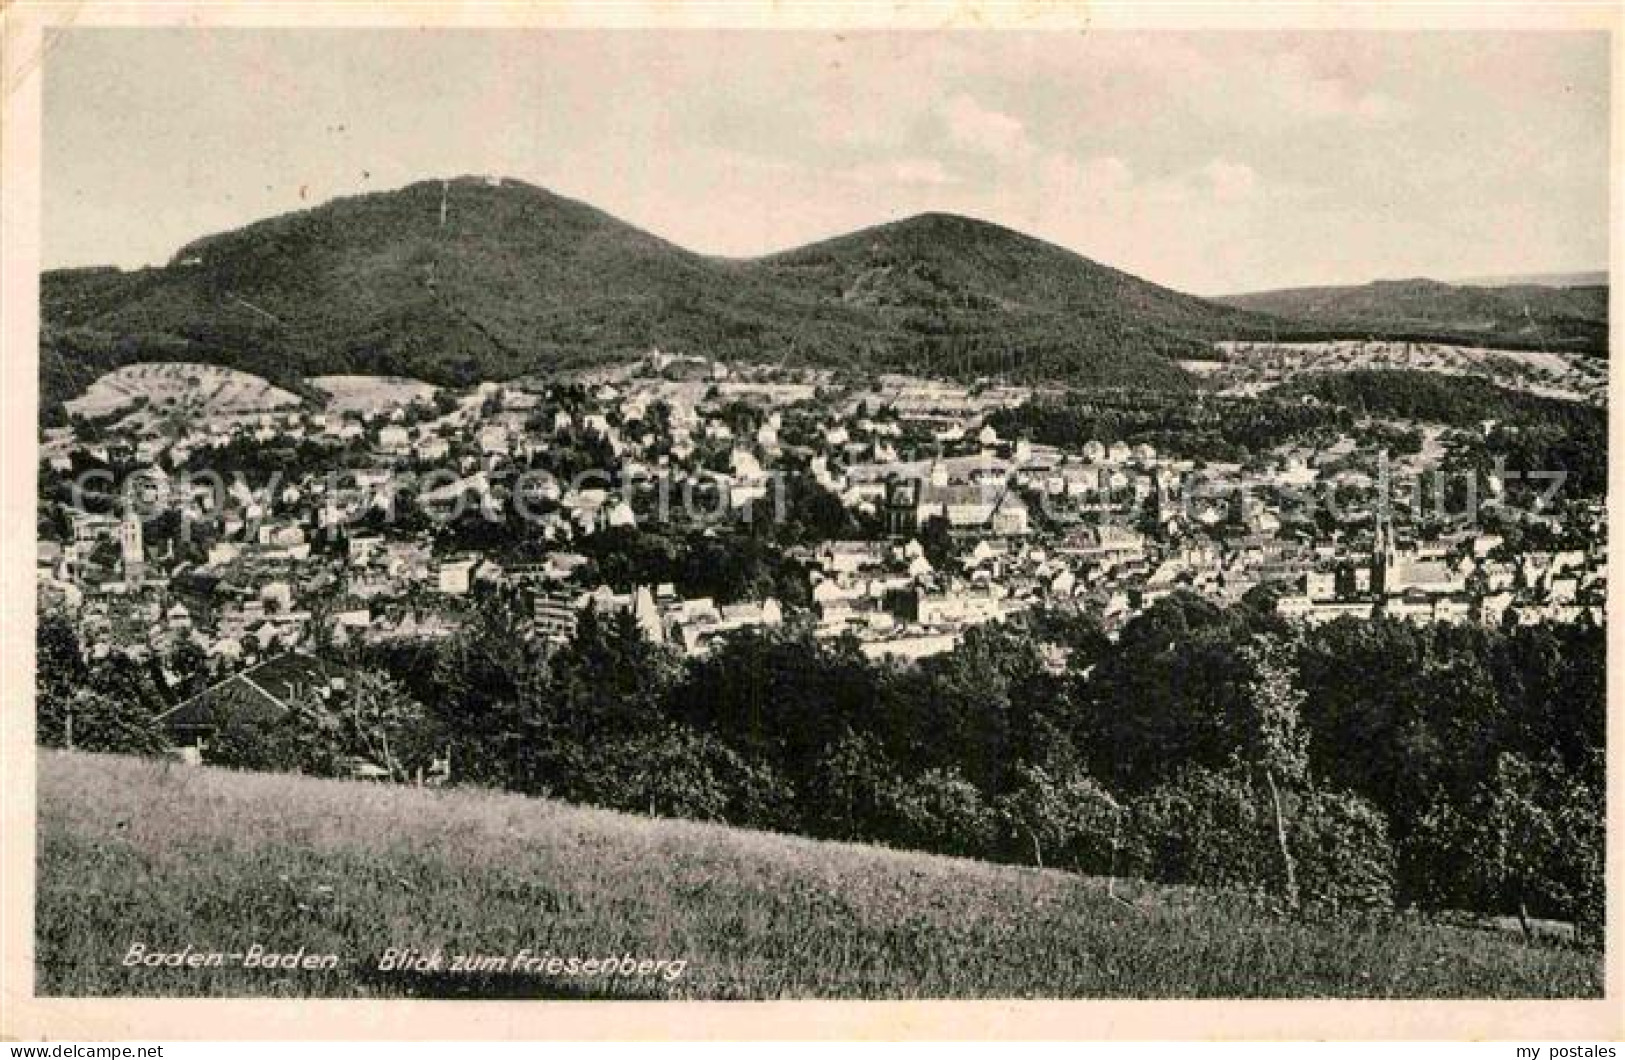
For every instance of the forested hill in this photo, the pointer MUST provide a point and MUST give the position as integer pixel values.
(469, 279)
(1535, 435)
(970, 297)
(1528, 316)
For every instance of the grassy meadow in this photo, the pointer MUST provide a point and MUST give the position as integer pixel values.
(142, 851)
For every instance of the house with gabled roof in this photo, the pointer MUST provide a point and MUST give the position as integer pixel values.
(261, 693)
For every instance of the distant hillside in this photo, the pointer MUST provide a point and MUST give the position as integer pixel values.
(462, 280)
(969, 297)
(448, 281)
(1546, 435)
(1594, 278)
(193, 389)
(1454, 400)
(1526, 316)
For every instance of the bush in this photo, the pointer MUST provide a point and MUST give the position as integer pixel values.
(1344, 857)
(1059, 817)
(1208, 828)
(941, 811)
(1529, 841)
(676, 771)
(850, 792)
(1215, 828)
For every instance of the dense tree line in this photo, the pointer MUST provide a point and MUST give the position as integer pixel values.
(1354, 764)
(1358, 764)
(1361, 763)
(105, 704)
(1207, 428)
(1528, 432)
(1522, 434)
(727, 567)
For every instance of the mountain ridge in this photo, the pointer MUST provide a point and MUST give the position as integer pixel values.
(463, 279)
(1523, 316)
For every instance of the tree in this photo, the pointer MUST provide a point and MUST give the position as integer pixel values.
(1203, 827)
(1529, 842)
(941, 811)
(675, 771)
(1275, 739)
(380, 722)
(969, 700)
(186, 670)
(490, 690)
(304, 738)
(61, 671)
(94, 721)
(1058, 808)
(111, 708)
(938, 542)
(1343, 855)
(1169, 696)
(850, 792)
(778, 695)
(610, 682)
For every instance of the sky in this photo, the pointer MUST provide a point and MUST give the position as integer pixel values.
(1214, 162)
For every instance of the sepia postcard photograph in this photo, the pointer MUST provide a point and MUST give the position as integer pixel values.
(808, 511)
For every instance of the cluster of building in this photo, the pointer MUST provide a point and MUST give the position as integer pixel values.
(951, 526)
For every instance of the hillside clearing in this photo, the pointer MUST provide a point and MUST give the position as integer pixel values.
(169, 856)
(371, 394)
(1252, 368)
(202, 390)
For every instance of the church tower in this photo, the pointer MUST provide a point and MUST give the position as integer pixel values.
(1382, 554)
(647, 615)
(902, 506)
(131, 549)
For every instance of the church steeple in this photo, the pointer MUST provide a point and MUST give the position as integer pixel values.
(131, 548)
(1382, 549)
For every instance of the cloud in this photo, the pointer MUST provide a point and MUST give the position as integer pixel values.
(1107, 174)
(1302, 91)
(1380, 109)
(1107, 182)
(1230, 181)
(900, 171)
(1066, 181)
(980, 128)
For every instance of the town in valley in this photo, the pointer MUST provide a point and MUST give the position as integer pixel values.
(899, 512)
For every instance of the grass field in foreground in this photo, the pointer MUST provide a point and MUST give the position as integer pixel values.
(169, 856)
